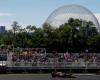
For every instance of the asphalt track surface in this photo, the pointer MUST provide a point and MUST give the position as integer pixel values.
(46, 77)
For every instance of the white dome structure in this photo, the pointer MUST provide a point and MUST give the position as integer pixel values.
(62, 15)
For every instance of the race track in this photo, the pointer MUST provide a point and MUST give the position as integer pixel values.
(46, 77)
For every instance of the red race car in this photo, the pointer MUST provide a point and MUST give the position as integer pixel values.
(61, 74)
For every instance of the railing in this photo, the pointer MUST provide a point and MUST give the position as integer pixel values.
(53, 65)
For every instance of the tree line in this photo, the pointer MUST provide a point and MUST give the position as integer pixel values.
(75, 35)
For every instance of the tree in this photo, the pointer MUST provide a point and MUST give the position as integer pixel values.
(28, 28)
(31, 28)
(94, 43)
(15, 26)
(74, 36)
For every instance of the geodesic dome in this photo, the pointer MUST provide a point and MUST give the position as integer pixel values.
(62, 15)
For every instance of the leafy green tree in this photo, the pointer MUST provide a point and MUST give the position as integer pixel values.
(15, 26)
(74, 36)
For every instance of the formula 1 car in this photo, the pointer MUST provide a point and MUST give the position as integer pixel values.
(61, 74)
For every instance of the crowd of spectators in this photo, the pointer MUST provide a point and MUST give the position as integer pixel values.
(39, 57)
(32, 57)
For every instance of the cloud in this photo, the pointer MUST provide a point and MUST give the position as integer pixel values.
(6, 14)
(4, 23)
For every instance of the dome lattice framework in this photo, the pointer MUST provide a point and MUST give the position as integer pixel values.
(61, 15)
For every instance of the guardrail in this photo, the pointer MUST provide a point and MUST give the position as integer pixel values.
(52, 65)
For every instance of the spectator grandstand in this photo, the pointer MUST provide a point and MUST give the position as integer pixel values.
(38, 58)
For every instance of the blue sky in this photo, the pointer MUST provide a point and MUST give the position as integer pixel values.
(35, 12)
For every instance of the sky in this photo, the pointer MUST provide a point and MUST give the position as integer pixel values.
(35, 12)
